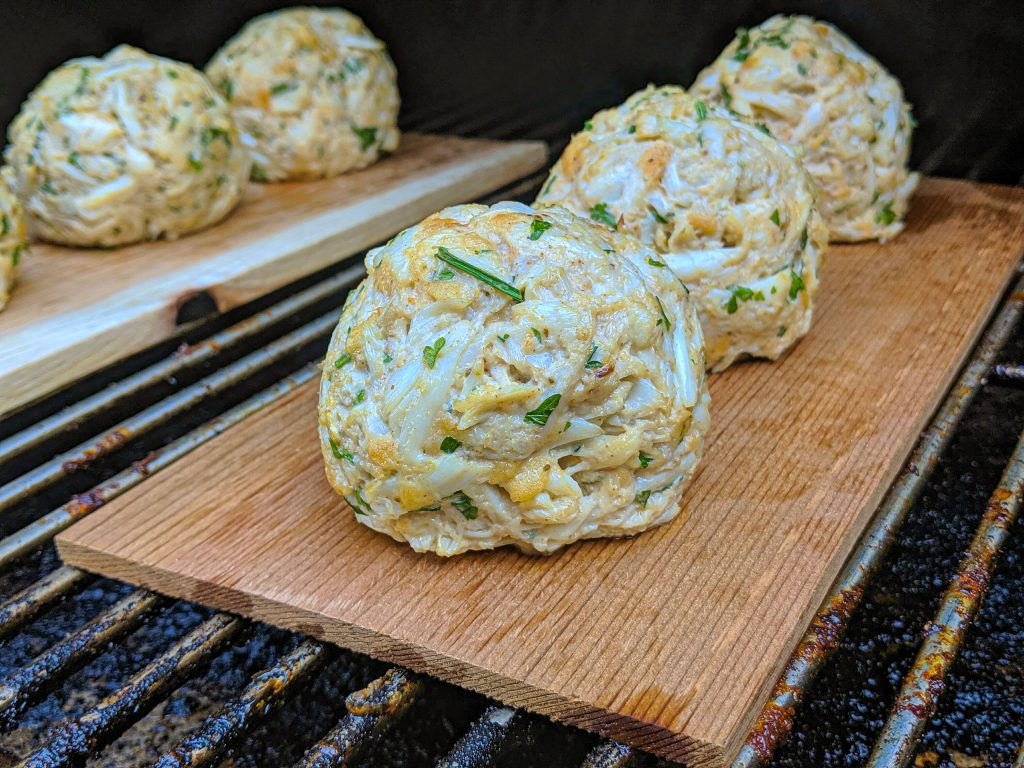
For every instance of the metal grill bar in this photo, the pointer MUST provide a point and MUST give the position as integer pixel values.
(483, 741)
(25, 685)
(1009, 373)
(370, 712)
(186, 357)
(89, 451)
(267, 689)
(610, 754)
(20, 608)
(822, 638)
(49, 525)
(73, 740)
(925, 682)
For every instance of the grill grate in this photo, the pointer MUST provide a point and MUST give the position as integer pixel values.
(67, 633)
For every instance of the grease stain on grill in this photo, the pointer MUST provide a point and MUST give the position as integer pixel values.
(108, 443)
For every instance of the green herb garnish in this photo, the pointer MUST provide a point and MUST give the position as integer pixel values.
(538, 227)
(642, 497)
(591, 362)
(387, 358)
(227, 87)
(5, 225)
(540, 414)
(194, 162)
(360, 396)
(801, 68)
(744, 294)
(803, 239)
(664, 317)
(465, 505)
(796, 284)
(334, 448)
(430, 353)
(210, 134)
(450, 444)
(781, 331)
(547, 186)
(281, 88)
(464, 266)
(742, 51)
(74, 160)
(886, 216)
(367, 136)
(343, 360)
(503, 338)
(763, 129)
(702, 111)
(726, 96)
(775, 218)
(657, 216)
(601, 213)
(588, 126)
(645, 460)
(537, 336)
(655, 262)
(443, 274)
(258, 173)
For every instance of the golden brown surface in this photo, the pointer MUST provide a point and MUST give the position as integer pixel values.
(671, 640)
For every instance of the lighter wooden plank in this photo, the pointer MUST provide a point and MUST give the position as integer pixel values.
(76, 310)
(669, 641)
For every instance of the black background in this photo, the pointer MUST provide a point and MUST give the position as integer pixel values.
(538, 69)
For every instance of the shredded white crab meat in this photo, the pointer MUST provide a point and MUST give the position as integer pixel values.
(727, 207)
(13, 236)
(128, 147)
(313, 91)
(814, 87)
(456, 417)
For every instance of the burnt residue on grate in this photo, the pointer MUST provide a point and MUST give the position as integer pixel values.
(981, 713)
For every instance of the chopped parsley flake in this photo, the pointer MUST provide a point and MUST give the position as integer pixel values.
(212, 134)
(172, 74)
(801, 68)
(702, 110)
(194, 162)
(645, 460)
(387, 358)
(537, 336)
(227, 87)
(74, 160)
(443, 274)
(803, 239)
(335, 450)
(258, 173)
(781, 331)
(503, 338)
(464, 266)
(16, 254)
(281, 88)
(430, 353)
(450, 444)
(642, 497)
(360, 396)
(591, 362)
(5, 225)
(547, 187)
(655, 262)
(657, 216)
(566, 427)
(366, 136)
(726, 96)
(664, 317)
(343, 360)
(796, 284)
(775, 218)
(538, 227)
(465, 505)
(742, 50)
(588, 126)
(886, 215)
(540, 414)
(631, 129)
(744, 294)
(763, 129)
(47, 187)
(601, 213)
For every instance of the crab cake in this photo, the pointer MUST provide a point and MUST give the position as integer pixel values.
(726, 206)
(128, 147)
(814, 87)
(313, 91)
(13, 237)
(507, 375)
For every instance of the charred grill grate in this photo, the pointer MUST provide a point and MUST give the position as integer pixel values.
(85, 660)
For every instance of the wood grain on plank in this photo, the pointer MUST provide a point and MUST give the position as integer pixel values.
(76, 310)
(669, 641)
